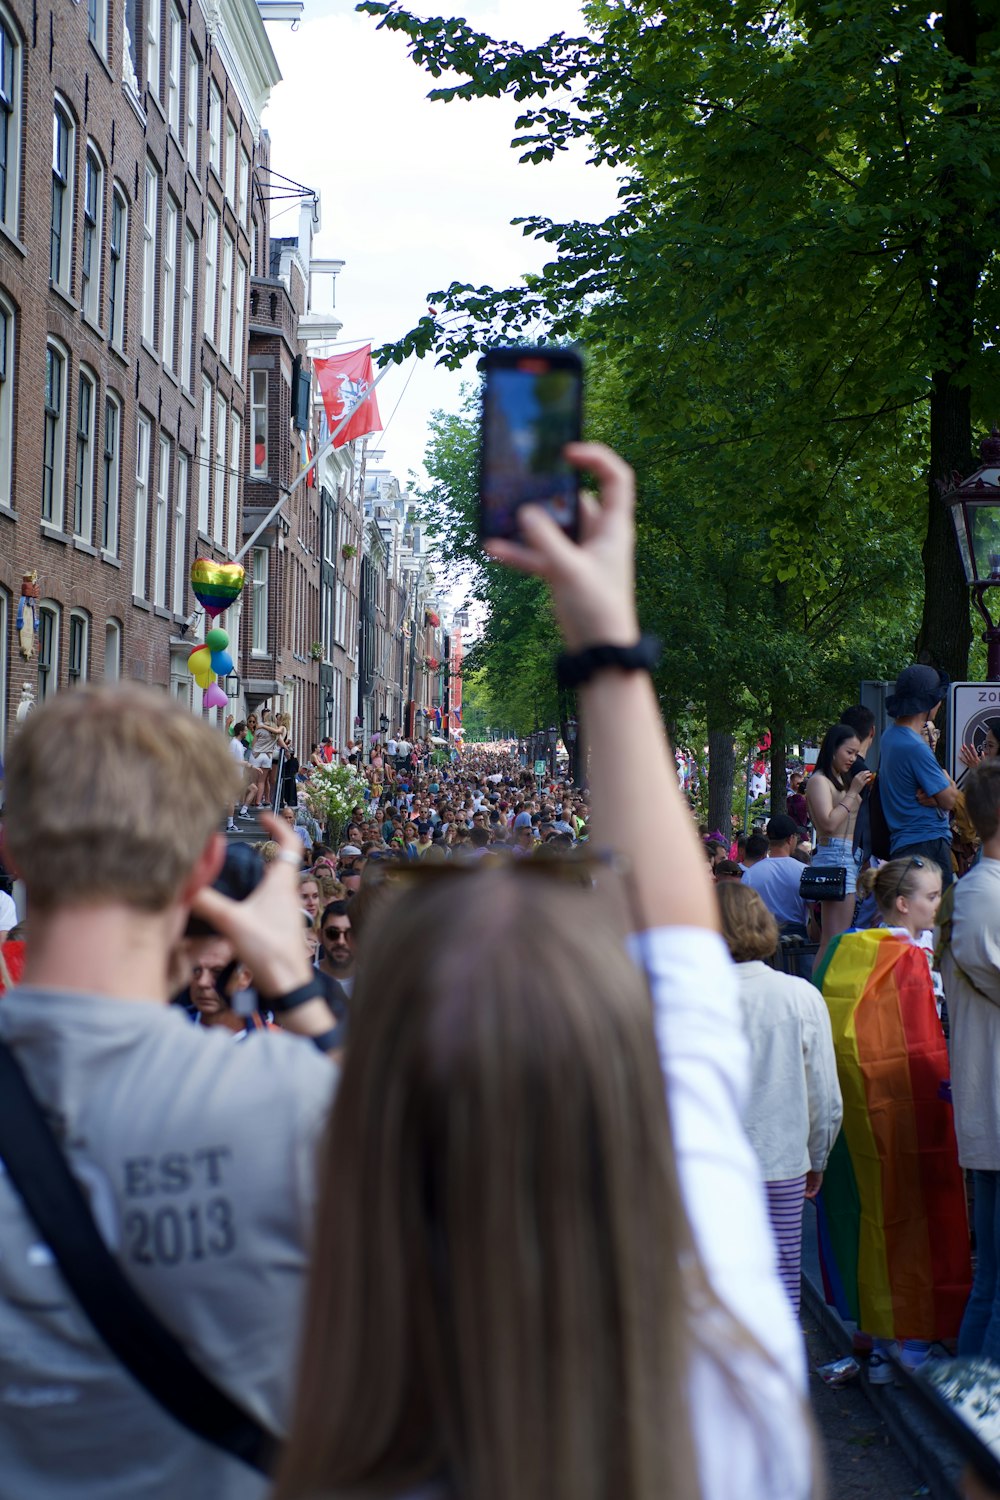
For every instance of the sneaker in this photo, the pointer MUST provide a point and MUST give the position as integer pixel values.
(243, 813)
(915, 1353)
(231, 827)
(881, 1369)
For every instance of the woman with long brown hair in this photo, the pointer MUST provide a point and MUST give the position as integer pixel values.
(543, 1269)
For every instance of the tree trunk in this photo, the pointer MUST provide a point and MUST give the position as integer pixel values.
(779, 784)
(945, 631)
(721, 776)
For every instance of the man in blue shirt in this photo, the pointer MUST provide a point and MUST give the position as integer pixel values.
(916, 794)
(776, 878)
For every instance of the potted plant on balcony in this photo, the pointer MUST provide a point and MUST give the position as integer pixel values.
(348, 550)
(316, 650)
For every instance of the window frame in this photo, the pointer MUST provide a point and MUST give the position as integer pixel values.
(192, 109)
(188, 307)
(61, 229)
(243, 188)
(93, 221)
(227, 262)
(205, 458)
(161, 522)
(168, 310)
(215, 128)
(8, 342)
(117, 269)
(140, 539)
(259, 600)
(153, 26)
(11, 121)
(150, 206)
(113, 636)
(211, 264)
(47, 669)
(111, 476)
(182, 480)
(238, 358)
(78, 648)
(233, 503)
(54, 439)
(86, 449)
(229, 161)
(258, 378)
(219, 464)
(175, 67)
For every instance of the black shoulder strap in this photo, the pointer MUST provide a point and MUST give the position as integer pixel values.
(129, 1328)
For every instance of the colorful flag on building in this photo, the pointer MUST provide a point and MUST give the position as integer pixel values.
(343, 380)
(894, 1236)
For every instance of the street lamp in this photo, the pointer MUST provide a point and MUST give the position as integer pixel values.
(975, 509)
(231, 685)
(571, 728)
(553, 737)
(383, 724)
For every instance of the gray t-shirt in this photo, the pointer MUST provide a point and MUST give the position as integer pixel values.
(197, 1155)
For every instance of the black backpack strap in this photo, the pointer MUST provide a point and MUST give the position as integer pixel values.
(130, 1329)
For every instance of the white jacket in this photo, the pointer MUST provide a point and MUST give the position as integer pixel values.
(795, 1107)
(974, 1013)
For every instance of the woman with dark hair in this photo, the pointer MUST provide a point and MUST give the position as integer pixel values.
(973, 755)
(542, 1263)
(833, 798)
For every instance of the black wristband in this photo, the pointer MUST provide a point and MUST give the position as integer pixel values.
(575, 668)
(311, 990)
(329, 1041)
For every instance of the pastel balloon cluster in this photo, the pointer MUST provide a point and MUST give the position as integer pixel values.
(210, 661)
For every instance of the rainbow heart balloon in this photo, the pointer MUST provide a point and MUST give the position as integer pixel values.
(216, 585)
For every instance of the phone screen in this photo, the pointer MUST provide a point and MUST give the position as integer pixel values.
(531, 410)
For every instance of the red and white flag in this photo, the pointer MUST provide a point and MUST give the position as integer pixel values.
(343, 381)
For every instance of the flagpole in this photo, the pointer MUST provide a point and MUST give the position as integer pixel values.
(273, 514)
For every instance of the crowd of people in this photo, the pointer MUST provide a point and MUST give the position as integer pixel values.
(460, 1157)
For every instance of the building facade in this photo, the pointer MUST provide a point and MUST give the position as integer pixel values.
(129, 138)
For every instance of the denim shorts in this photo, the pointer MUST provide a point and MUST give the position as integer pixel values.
(839, 854)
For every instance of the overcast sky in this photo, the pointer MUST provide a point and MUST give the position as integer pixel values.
(414, 194)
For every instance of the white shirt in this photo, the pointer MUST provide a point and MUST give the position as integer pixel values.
(795, 1107)
(237, 749)
(747, 1410)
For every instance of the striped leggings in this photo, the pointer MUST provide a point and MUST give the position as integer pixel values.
(785, 1201)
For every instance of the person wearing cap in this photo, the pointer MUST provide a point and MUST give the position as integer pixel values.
(916, 794)
(776, 879)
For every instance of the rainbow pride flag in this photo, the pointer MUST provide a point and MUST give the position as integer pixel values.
(894, 1235)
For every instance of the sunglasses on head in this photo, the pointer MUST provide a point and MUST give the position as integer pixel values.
(913, 863)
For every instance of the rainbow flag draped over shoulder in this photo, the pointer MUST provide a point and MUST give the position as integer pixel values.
(894, 1236)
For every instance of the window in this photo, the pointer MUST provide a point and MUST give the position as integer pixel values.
(221, 424)
(258, 419)
(187, 307)
(215, 128)
(235, 442)
(258, 605)
(10, 123)
(93, 205)
(205, 457)
(153, 46)
(6, 401)
(116, 269)
(170, 222)
(78, 665)
(239, 320)
(243, 195)
(83, 492)
(193, 110)
(230, 177)
(161, 523)
(211, 264)
(54, 436)
(60, 251)
(112, 650)
(226, 297)
(97, 24)
(143, 434)
(111, 476)
(180, 576)
(48, 650)
(175, 37)
(4, 660)
(149, 255)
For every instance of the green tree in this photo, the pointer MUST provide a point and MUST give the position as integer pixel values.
(811, 183)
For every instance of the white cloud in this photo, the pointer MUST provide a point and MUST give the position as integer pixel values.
(414, 194)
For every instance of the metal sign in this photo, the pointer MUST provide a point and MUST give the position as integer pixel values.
(540, 767)
(970, 707)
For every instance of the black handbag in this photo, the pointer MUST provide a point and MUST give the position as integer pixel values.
(124, 1322)
(823, 883)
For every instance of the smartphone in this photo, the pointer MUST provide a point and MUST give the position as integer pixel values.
(532, 407)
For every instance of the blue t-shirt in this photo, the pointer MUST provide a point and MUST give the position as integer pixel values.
(906, 765)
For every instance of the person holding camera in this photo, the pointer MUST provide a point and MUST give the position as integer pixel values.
(834, 796)
(194, 1158)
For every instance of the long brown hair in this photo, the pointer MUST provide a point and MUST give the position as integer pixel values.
(500, 1293)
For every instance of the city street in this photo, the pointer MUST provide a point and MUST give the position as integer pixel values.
(863, 1462)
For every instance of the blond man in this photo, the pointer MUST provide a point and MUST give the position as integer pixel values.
(196, 1156)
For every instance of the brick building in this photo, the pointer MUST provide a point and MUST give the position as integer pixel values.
(129, 195)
